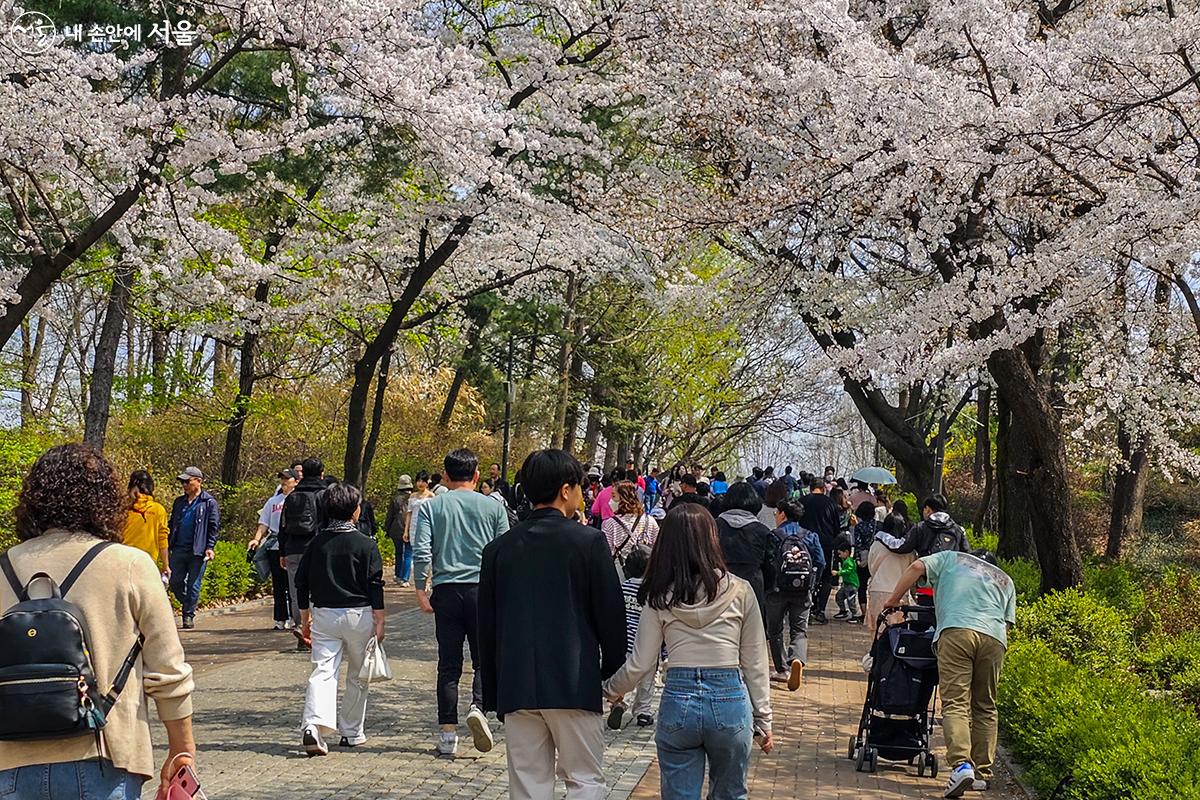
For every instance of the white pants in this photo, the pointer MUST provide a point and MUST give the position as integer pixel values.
(643, 696)
(338, 633)
(532, 737)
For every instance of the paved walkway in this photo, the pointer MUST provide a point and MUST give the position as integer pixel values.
(251, 689)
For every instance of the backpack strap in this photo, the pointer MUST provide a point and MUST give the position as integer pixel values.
(17, 587)
(110, 699)
(81, 565)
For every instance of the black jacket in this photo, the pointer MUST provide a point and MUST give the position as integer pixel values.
(749, 550)
(290, 543)
(551, 616)
(393, 527)
(340, 569)
(934, 535)
(821, 515)
(693, 497)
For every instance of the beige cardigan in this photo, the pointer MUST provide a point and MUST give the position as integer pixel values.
(119, 594)
(724, 632)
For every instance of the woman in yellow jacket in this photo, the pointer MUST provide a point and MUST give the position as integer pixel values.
(146, 527)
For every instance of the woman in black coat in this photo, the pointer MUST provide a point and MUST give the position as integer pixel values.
(746, 543)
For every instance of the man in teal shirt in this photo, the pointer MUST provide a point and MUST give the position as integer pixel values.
(975, 602)
(448, 535)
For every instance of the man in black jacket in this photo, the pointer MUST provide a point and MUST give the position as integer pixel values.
(821, 516)
(551, 628)
(935, 533)
(302, 517)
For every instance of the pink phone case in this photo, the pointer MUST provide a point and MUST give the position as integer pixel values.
(185, 786)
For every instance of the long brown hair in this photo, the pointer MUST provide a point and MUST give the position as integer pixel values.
(686, 564)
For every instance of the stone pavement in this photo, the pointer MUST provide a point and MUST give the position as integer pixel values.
(251, 692)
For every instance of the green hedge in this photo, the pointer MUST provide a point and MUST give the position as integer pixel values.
(229, 575)
(1118, 743)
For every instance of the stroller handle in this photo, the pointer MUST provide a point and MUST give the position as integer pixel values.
(889, 610)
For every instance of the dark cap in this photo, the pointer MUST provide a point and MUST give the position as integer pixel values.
(287, 473)
(189, 473)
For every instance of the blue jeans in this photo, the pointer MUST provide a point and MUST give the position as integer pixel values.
(187, 573)
(403, 561)
(74, 780)
(705, 715)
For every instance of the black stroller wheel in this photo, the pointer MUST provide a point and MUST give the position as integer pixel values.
(920, 768)
(860, 756)
(932, 763)
(853, 748)
(872, 759)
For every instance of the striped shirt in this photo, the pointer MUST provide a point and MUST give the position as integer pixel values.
(633, 610)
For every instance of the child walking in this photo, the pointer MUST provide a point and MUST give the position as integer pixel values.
(643, 696)
(847, 597)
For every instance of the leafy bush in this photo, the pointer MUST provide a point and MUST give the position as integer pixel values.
(1118, 744)
(1172, 664)
(229, 575)
(18, 450)
(1172, 604)
(1080, 629)
(1117, 585)
(1027, 578)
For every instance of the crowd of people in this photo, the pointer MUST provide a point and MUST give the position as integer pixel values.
(570, 590)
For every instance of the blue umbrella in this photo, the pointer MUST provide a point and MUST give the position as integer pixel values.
(875, 475)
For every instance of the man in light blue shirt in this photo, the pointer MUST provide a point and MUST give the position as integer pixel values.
(975, 602)
(448, 535)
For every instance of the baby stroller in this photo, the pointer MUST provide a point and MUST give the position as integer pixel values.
(897, 716)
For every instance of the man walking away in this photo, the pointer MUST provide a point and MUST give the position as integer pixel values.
(975, 602)
(302, 517)
(821, 515)
(266, 540)
(448, 535)
(191, 539)
(396, 528)
(936, 532)
(551, 628)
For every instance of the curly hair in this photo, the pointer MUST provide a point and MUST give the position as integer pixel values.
(627, 498)
(71, 487)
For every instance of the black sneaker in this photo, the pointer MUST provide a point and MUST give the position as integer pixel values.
(841, 615)
(856, 620)
(615, 717)
(820, 619)
(189, 623)
(645, 720)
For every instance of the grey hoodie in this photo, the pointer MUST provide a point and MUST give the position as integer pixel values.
(726, 631)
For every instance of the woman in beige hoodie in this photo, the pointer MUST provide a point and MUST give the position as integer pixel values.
(716, 695)
(69, 504)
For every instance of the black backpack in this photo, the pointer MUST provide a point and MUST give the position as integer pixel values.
(48, 688)
(302, 514)
(794, 571)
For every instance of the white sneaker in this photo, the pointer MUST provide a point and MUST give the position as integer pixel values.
(478, 724)
(288, 625)
(279, 626)
(447, 743)
(961, 779)
(313, 744)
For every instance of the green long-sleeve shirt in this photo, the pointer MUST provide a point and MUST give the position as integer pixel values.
(848, 572)
(449, 533)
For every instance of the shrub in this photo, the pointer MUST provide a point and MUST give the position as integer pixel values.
(229, 575)
(1119, 745)
(1172, 664)
(1117, 585)
(1027, 578)
(1080, 629)
(1172, 604)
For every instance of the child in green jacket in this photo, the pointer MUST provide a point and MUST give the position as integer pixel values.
(847, 597)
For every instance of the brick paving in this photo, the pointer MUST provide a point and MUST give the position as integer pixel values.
(251, 692)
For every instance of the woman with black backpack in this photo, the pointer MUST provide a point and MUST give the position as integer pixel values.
(799, 560)
(629, 526)
(79, 734)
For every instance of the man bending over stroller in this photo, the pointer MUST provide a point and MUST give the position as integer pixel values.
(975, 602)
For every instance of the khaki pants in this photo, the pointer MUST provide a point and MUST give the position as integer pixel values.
(969, 665)
(532, 737)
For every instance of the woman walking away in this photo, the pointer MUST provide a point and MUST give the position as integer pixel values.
(146, 524)
(630, 526)
(885, 566)
(746, 544)
(70, 513)
(863, 536)
(396, 528)
(798, 552)
(716, 695)
(341, 575)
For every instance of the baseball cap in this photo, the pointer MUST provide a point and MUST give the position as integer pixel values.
(189, 473)
(287, 473)
(405, 482)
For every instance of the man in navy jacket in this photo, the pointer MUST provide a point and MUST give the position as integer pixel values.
(551, 628)
(191, 539)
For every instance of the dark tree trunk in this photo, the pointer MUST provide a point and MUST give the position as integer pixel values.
(1048, 483)
(95, 419)
(571, 423)
(1128, 494)
(159, 339)
(983, 430)
(893, 429)
(376, 417)
(558, 431)
(479, 317)
(1015, 523)
(31, 359)
(591, 435)
(234, 433)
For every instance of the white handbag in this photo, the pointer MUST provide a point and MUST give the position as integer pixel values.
(375, 664)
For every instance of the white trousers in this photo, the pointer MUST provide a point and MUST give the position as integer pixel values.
(338, 634)
(533, 737)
